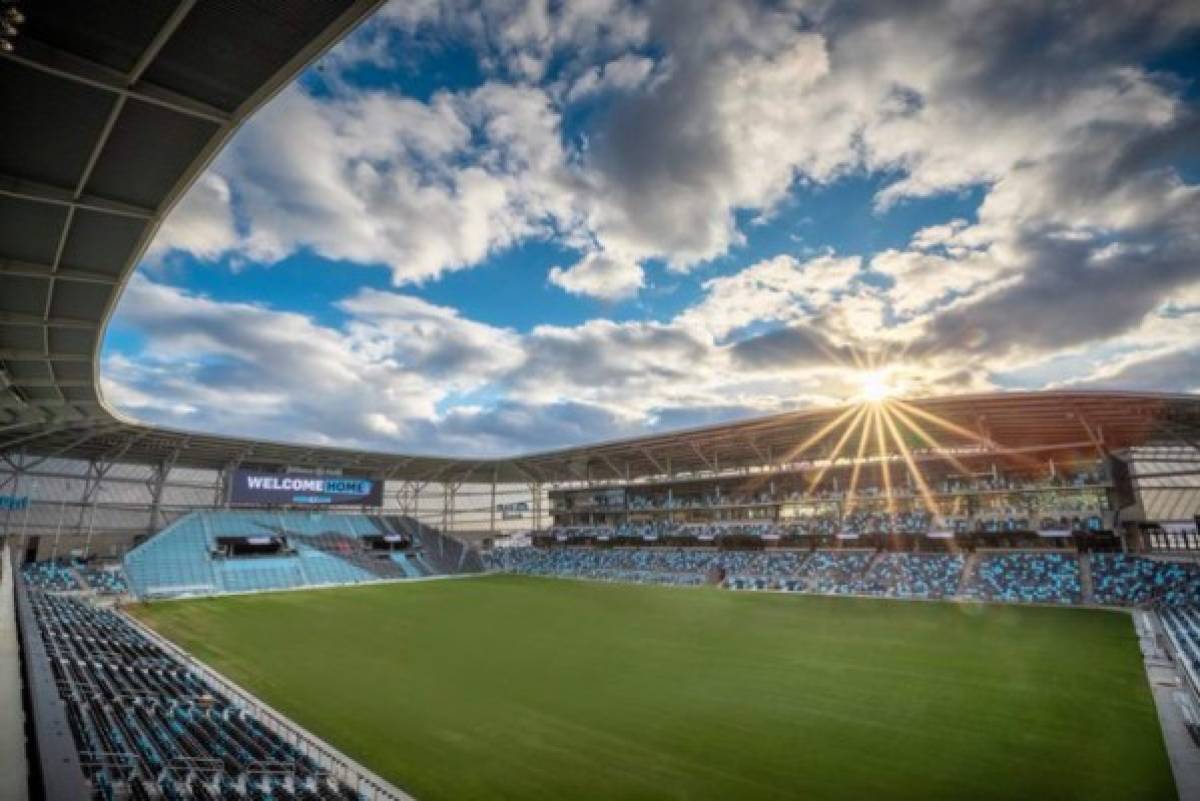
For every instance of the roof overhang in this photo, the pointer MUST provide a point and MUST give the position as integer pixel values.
(996, 424)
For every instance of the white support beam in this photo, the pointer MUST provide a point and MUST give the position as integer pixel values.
(700, 455)
(1092, 435)
(617, 472)
(24, 269)
(36, 320)
(87, 436)
(527, 470)
(45, 432)
(70, 67)
(657, 466)
(10, 355)
(37, 192)
(182, 9)
(43, 383)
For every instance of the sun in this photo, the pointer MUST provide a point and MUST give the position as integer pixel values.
(875, 387)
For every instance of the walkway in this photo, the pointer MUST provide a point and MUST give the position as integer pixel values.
(14, 787)
(1176, 704)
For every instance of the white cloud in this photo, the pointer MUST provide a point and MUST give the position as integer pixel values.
(774, 290)
(382, 179)
(922, 280)
(202, 224)
(623, 74)
(600, 275)
(695, 115)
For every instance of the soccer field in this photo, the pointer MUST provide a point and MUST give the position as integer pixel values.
(532, 688)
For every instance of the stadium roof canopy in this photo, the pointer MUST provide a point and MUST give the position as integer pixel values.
(111, 111)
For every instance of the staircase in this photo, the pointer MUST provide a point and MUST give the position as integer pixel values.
(968, 574)
(350, 550)
(77, 574)
(1085, 579)
(875, 560)
(381, 566)
(407, 564)
(442, 554)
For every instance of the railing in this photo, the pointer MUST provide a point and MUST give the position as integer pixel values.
(1180, 655)
(339, 766)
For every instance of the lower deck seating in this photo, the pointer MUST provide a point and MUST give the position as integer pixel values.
(146, 727)
(1134, 580)
(60, 575)
(666, 566)
(1027, 578)
(912, 575)
(1022, 577)
(54, 576)
(836, 572)
(106, 581)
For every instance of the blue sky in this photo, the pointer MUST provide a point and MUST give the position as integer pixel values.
(493, 227)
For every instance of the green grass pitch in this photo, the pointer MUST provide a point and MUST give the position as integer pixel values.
(527, 688)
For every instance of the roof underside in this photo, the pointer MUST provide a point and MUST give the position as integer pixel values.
(114, 108)
(995, 424)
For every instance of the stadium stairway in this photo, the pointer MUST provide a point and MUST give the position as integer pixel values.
(1085, 580)
(968, 574)
(438, 553)
(79, 577)
(411, 570)
(875, 560)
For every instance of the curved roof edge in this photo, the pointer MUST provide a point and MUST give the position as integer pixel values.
(999, 423)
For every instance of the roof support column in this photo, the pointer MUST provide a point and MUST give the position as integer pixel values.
(18, 472)
(492, 524)
(536, 488)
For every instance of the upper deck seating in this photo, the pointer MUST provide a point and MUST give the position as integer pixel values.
(1134, 580)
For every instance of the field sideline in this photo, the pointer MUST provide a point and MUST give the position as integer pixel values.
(527, 688)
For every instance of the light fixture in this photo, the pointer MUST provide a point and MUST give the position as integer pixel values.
(11, 18)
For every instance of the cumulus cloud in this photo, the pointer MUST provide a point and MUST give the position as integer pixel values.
(775, 290)
(601, 276)
(247, 368)
(636, 133)
(623, 74)
(383, 179)
(202, 224)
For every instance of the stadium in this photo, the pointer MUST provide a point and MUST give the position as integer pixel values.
(986, 595)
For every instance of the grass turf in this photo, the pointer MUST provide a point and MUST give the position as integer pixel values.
(531, 688)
